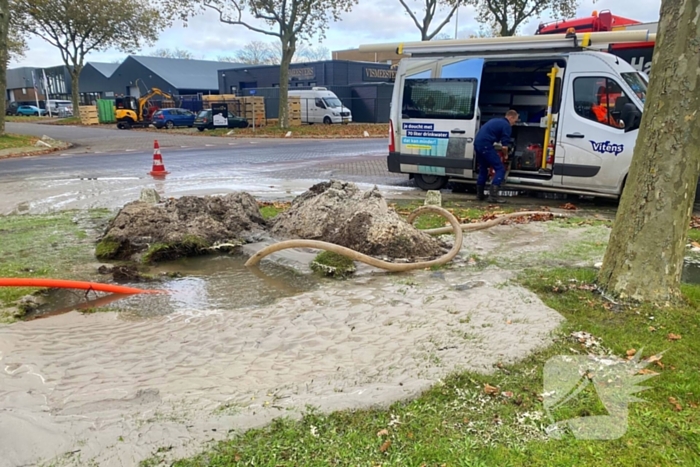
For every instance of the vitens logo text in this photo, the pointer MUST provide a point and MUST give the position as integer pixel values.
(607, 146)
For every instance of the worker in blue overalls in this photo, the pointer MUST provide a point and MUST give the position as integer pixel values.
(492, 136)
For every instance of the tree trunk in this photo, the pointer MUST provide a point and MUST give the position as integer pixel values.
(288, 49)
(4, 58)
(644, 258)
(75, 88)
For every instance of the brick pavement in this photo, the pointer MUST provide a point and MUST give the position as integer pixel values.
(363, 169)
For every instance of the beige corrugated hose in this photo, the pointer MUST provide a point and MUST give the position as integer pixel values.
(394, 267)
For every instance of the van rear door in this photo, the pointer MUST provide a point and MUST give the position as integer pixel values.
(439, 116)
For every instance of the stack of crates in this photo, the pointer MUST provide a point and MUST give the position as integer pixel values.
(253, 108)
(89, 115)
(294, 106)
(208, 100)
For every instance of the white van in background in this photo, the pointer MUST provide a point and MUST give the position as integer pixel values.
(319, 105)
(60, 108)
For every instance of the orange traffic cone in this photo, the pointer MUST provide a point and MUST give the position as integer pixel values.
(158, 169)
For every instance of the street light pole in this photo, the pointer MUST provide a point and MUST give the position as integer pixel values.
(456, 21)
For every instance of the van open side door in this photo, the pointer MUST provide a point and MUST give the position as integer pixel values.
(439, 119)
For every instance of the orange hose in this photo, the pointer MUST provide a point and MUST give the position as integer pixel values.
(66, 284)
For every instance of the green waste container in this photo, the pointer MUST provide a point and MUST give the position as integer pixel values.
(105, 111)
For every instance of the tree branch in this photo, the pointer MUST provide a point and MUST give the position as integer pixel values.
(413, 17)
(445, 21)
(239, 22)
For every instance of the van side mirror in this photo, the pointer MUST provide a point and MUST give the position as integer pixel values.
(631, 117)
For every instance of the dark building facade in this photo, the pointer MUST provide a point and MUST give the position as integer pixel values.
(326, 73)
(363, 87)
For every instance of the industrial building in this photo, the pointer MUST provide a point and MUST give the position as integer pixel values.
(363, 87)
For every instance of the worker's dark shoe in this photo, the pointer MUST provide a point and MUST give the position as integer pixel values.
(493, 195)
(480, 192)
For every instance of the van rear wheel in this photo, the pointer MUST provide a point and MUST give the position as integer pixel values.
(430, 182)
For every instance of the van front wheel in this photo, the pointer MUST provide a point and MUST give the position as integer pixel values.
(430, 182)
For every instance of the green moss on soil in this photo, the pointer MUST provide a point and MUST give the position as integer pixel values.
(191, 245)
(332, 264)
(108, 248)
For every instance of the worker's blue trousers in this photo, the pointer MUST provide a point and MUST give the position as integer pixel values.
(487, 157)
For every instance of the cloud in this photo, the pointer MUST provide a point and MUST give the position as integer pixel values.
(369, 22)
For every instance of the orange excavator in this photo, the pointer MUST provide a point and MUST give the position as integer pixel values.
(133, 112)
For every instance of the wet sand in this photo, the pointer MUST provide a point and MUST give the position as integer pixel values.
(111, 389)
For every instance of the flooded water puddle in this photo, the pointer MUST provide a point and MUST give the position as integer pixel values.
(198, 286)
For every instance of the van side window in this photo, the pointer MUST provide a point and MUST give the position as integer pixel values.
(319, 103)
(599, 99)
(440, 98)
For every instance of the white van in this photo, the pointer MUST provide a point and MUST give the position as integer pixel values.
(580, 111)
(60, 108)
(319, 105)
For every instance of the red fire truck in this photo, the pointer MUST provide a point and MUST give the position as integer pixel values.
(638, 54)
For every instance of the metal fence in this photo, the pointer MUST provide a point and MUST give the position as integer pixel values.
(368, 109)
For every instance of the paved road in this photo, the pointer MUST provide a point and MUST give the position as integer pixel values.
(91, 140)
(207, 165)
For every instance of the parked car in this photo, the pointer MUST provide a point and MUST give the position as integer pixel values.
(205, 121)
(11, 108)
(27, 110)
(170, 118)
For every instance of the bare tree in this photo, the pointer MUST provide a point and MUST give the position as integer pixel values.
(255, 53)
(292, 22)
(645, 255)
(443, 36)
(174, 53)
(77, 28)
(315, 54)
(506, 16)
(430, 9)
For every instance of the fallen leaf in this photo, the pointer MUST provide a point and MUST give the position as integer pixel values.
(508, 394)
(383, 432)
(646, 371)
(676, 406)
(488, 389)
(465, 420)
(410, 435)
(631, 352)
(653, 358)
(660, 365)
(509, 322)
(385, 446)
(569, 207)
(237, 458)
(652, 328)
(674, 337)
(695, 244)
(693, 405)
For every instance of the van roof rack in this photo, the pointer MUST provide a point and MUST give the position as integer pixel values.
(569, 42)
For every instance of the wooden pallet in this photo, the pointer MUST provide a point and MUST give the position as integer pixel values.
(89, 115)
(219, 97)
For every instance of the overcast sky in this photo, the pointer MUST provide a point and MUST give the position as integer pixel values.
(369, 22)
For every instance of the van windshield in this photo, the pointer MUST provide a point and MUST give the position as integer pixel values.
(332, 102)
(639, 86)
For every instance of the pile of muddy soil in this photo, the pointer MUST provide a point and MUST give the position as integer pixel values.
(339, 212)
(180, 227)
